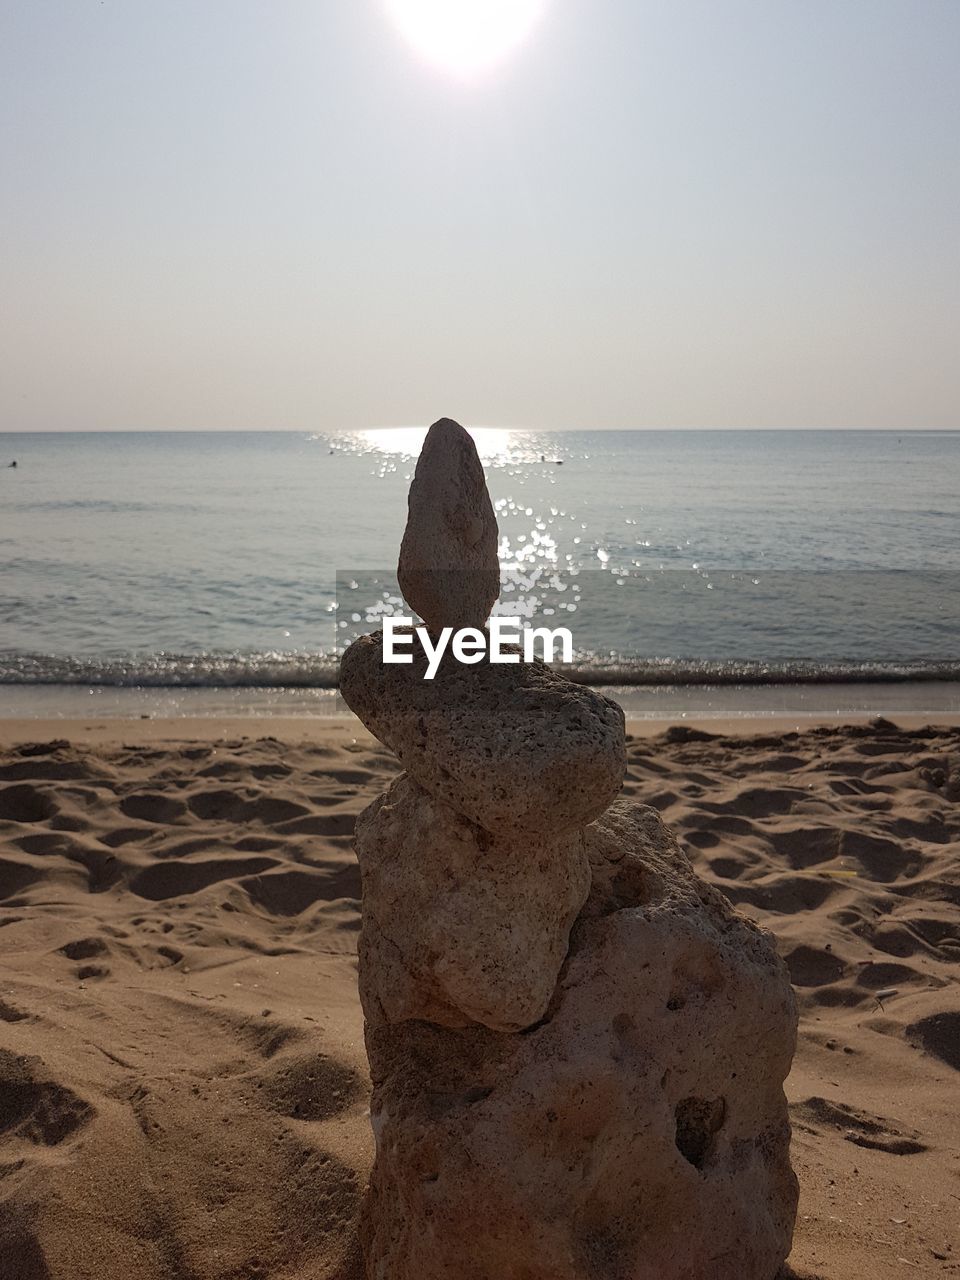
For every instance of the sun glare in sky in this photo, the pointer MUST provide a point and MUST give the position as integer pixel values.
(465, 37)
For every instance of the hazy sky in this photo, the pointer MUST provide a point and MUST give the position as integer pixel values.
(219, 213)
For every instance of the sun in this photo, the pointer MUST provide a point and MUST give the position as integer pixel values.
(465, 37)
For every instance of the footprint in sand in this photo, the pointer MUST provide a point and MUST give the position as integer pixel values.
(859, 1127)
(288, 893)
(10, 1013)
(879, 975)
(782, 894)
(173, 879)
(813, 966)
(318, 824)
(120, 836)
(884, 860)
(728, 868)
(35, 1108)
(150, 806)
(25, 803)
(802, 847)
(229, 806)
(48, 771)
(15, 876)
(764, 802)
(262, 772)
(939, 1035)
(84, 948)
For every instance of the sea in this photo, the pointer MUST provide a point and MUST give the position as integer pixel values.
(192, 572)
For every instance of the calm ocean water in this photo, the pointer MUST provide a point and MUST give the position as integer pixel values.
(216, 559)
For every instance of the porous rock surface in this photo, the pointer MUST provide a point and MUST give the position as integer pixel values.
(461, 927)
(448, 570)
(639, 1132)
(516, 748)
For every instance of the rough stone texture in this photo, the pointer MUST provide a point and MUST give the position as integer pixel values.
(460, 927)
(577, 1048)
(448, 569)
(638, 1133)
(517, 749)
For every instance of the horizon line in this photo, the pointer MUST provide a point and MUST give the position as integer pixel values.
(419, 426)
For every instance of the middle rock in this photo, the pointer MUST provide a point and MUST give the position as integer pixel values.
(459, 926)
(516, 748)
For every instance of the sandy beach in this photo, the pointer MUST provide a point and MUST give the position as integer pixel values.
(183, 1086)
(480, 641)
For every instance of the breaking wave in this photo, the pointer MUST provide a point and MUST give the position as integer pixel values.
(319, 671)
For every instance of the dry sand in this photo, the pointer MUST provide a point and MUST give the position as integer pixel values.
(182, 1076)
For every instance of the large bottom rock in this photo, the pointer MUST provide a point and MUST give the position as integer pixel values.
(638, 1132)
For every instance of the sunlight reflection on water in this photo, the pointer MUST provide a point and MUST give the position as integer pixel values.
(497, 446)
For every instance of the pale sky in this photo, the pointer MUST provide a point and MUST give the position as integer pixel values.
(228, 214)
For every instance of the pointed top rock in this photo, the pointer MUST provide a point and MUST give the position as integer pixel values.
(448, 570)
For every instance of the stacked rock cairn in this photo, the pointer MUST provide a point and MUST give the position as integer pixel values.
(577, 1047)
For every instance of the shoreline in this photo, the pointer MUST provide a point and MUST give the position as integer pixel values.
(347, 732)
(931, 701)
